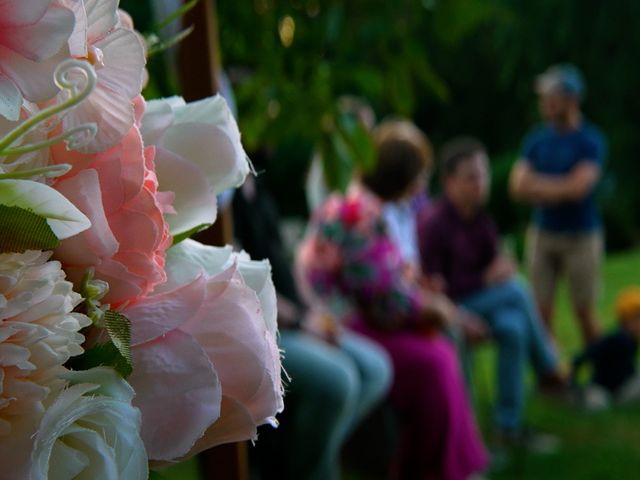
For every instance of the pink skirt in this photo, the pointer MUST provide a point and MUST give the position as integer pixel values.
(439, 435)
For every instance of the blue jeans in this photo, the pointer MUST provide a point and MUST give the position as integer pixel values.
(331, 389)
(514, 322)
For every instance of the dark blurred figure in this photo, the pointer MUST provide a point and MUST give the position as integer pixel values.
(336, 378)
(559, 168)
(613, 358)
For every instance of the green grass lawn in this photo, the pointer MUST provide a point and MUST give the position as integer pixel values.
(595, 446)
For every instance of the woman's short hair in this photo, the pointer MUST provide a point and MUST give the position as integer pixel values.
(403, 153)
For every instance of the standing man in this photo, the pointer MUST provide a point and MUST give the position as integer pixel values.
(557, 173)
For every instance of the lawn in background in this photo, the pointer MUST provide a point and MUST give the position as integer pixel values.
(595, 446)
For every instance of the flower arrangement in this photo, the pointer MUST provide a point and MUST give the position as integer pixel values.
(123, 343)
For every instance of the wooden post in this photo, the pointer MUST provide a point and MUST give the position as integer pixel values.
(198, 56)
(198, 67)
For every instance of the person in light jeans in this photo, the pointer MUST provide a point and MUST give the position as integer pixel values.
(460, 250)
(333, 379)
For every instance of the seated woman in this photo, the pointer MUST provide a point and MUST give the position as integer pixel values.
(334, 380)
(349, 261)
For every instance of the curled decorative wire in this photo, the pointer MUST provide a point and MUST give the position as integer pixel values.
(80, 136)
(77, 79)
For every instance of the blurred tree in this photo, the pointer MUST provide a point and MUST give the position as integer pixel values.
(290, 61)
(454, 66)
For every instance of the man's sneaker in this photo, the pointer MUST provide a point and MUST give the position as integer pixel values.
(555, 386)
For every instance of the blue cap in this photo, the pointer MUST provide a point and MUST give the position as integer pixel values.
(564, 77)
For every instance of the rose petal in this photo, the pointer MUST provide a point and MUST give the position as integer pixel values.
(102, 16)
(234, 425)
(78, 39)
(10, 99)
(124, 62)
(42, 39)
(110, 110)
(23, 12)
(83, 190)
(212, 149)
(194, 201)
(177, 391)
(158, 117)
(34, 79)
(156, 315)
(231, 330)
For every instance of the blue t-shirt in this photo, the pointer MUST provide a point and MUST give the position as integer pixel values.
(552, 152)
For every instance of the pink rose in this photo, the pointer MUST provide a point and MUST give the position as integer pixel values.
(207, 366)
(32, 36)
(116, 53)
(117, 190)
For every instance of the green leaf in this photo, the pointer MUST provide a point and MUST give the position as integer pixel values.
(184, 235)
(359, 140)
(430, 79)
(115, 353)
(119, 328)
(24, 230)
(102, 354)
(159, 46)
(63, 217)
(179, 12)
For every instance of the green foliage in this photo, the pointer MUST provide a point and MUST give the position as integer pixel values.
(62, 216)
(177, 14)
(119, 328)
(288, 83)
(184, 235)
(24, 230)
(373, 49)
(344, 147)
(115, 353)
(102, 355)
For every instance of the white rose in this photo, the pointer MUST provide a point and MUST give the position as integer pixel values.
(198, 155)
(188, 258)
(91, 430)
(215, 315)
(39, 332)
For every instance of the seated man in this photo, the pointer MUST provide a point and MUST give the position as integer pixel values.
(460, 250)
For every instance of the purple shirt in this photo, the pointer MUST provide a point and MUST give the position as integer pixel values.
(457, 248)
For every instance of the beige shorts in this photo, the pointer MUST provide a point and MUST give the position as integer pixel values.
(577, 255)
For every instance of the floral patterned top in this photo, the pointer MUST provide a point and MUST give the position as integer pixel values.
(348, 256)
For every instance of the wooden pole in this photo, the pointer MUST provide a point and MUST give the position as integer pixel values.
(198, 69)
(198, 56)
